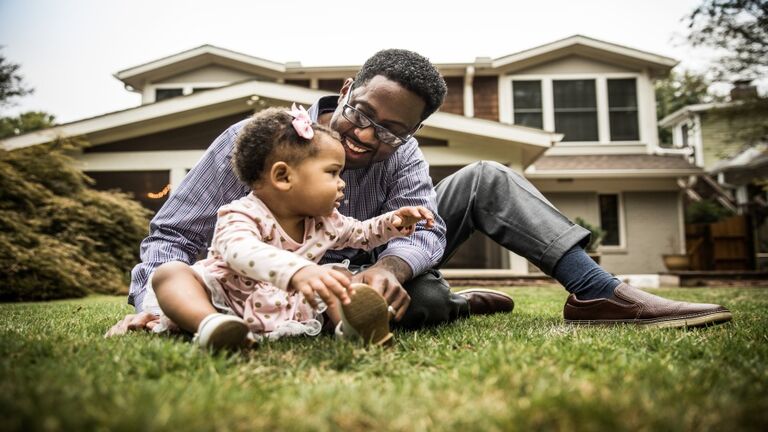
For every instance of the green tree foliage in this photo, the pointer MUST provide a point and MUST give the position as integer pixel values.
(25, 122)
(11, 84)
(739, 29)
(677, 91)
(58, 237)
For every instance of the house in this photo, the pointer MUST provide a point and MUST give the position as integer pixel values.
(577, 116)
(736, 171)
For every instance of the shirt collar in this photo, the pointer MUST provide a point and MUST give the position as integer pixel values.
(323, 105)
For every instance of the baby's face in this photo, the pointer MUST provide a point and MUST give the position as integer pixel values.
(319, 187)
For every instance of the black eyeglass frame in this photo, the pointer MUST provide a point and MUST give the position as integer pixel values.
(377, 128)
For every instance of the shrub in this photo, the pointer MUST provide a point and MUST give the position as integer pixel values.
(596, 234)
(58, 237)
(705, 211)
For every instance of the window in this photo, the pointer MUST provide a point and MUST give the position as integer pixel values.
(167, 93)
(609, 218)
(684, 132)
(575, 109)
(526, 100)
(622, 109)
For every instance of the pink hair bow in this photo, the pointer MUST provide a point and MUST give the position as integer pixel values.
(301, 122)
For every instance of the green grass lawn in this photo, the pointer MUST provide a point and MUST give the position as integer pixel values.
(519, 371)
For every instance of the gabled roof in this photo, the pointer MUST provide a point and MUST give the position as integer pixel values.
(235, 98)
(684, 112)
(587, 47)
(204, 55)
(194, 58)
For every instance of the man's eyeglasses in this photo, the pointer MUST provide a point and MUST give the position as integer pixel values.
(383, 134)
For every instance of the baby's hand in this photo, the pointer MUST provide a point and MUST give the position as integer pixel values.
(406, 217)
(327, 283)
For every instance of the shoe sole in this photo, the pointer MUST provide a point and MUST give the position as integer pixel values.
(687, 321)
(228, 335)
(366, 316)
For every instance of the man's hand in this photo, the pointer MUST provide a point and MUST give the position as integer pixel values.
(386, 277)
(327, 283)
(131, 322)
(405, 218)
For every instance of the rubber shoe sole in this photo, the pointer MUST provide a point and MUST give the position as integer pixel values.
(686, 321)
(366, 317)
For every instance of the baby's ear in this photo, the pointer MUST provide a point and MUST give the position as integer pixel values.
(280, 176)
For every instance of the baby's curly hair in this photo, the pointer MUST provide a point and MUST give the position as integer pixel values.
(412, 71)
(268, 137)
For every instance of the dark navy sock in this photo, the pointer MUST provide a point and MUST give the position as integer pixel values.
(581, 275)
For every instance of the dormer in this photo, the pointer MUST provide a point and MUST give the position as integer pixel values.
(598, 94)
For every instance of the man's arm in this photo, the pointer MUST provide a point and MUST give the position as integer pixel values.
(183, 226)
(185, 223)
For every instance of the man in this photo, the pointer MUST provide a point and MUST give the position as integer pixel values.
(376, 115)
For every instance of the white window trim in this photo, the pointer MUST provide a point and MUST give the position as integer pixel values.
(507, 109)
(622, 246)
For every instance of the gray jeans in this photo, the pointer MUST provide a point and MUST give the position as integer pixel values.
(490, 198)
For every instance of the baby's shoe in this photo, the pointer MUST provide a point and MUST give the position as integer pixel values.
(219, 331)
(366, 317)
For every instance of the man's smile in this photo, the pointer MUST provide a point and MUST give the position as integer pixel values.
(354, 147)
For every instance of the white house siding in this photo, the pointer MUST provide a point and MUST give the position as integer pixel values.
(651, 227)
(212, 73)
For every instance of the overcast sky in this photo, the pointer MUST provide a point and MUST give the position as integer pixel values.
(69, 49)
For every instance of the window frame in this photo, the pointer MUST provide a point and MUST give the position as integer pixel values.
(506, 104)
(622, 246)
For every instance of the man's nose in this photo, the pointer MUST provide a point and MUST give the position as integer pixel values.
(366, 135)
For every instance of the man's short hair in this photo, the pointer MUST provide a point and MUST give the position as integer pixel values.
(410, 70)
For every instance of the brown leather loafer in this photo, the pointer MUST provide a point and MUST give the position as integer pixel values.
(631, 305)
(486, 301)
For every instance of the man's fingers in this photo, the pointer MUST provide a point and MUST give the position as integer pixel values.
(403, 307)
(140, 321)
(120, 328)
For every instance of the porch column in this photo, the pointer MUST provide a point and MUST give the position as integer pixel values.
(177, 175)
(469, 94)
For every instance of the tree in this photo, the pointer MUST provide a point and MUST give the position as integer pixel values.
(25, 122)
(58, 237)
(677, 91)
(11, 84)
(739, 29)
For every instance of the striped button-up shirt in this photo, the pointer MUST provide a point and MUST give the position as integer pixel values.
(184, 225)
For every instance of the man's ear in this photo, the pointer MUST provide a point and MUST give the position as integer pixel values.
(281, 176)
(345, 88)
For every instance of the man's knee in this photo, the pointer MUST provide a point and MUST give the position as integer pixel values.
(168, 271)
(432, 302)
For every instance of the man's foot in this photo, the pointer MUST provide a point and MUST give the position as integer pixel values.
(219, 331)
(631, 305)
(366, 317)
(485, 301)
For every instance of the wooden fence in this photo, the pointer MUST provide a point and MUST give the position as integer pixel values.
(724, 245)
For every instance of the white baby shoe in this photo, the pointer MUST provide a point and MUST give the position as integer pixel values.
(219, 331)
